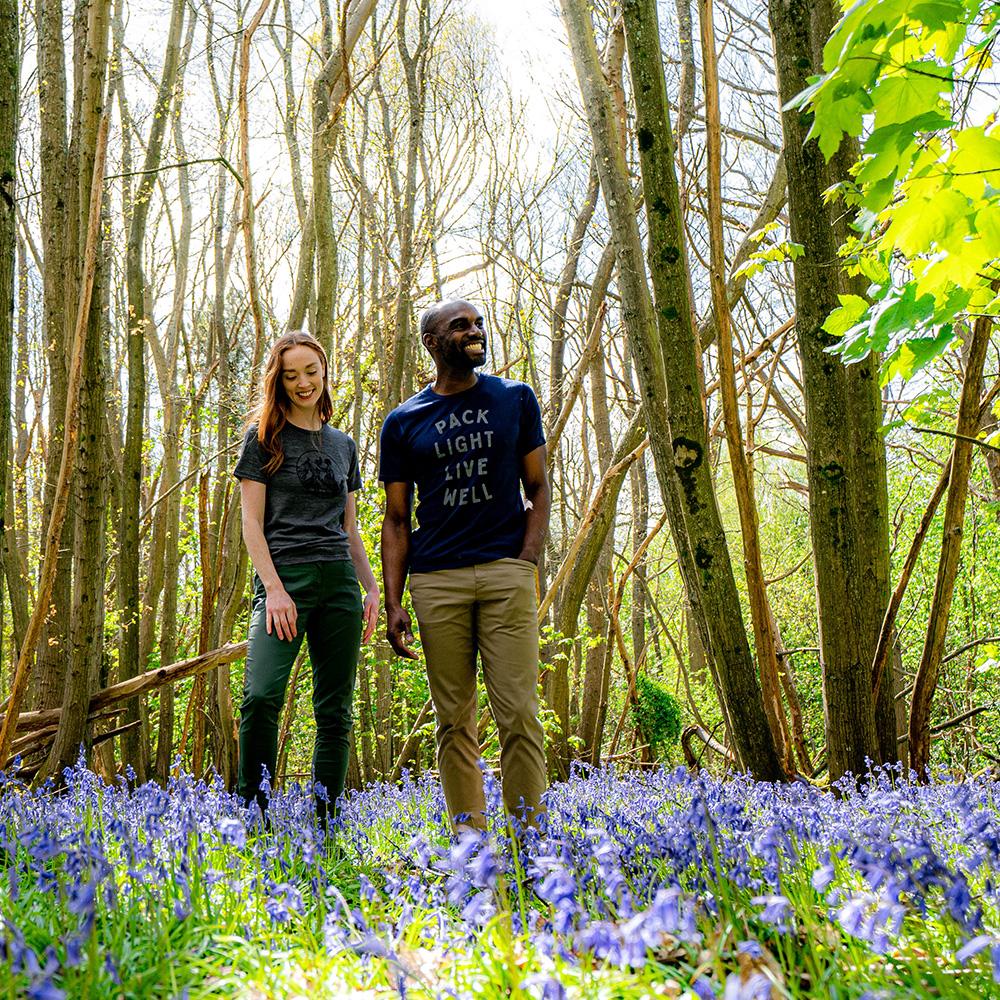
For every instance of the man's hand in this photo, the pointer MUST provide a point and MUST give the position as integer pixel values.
(281, 614)
(399, 632)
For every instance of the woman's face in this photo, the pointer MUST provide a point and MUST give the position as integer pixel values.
(302, 379)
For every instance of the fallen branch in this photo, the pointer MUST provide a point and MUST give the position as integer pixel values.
(956, 720)
(26, 774)
(148, 681)
(410, 746)
(711, 743)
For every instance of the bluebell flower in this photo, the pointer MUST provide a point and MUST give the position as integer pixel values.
(43, 989)
(702, 988)
(756, 987)
(973, 947)
(544, 987)
(776, 910)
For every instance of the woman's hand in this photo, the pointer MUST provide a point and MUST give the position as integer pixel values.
(281, 614)
(369, 612)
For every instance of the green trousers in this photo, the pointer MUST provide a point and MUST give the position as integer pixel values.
(328, 601)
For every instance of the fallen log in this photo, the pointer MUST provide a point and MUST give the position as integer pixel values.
(711, 743)
(149, 681)
(27, 774)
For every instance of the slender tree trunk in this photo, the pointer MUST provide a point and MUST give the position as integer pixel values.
(60, 251)
(951, 546)
(134, 745)
(848, 499)
(666, 361)
(640, 524)
(10, 65)
(82, 675)
(574, 248)
(329, 92)
(60, 505)
(760, 611)
(413, 66)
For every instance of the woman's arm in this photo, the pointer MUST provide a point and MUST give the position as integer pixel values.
(362, 567)
(281, 610)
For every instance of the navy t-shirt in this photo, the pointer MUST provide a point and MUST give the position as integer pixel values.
(463, 452)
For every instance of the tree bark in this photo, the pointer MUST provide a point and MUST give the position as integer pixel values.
(951, 546)
(134, 745)
(574, 248)
(59, 249)
(760, 610)
(10, 66)
(848, 500)
(89, 540)
(666, 361)
(61, 496)
(413, 67)
(329, 92)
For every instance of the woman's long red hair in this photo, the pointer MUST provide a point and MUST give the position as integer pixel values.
(271, 412)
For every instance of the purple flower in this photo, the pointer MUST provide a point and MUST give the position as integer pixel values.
(776, 909)
(703, 989)
(544, 987)
(974, 947)
(757, 987)
(43, 989)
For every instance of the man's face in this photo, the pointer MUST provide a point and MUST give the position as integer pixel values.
(459, 337)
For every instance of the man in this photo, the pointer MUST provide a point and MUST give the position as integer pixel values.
(468, 443)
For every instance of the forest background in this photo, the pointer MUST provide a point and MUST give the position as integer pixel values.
(791, 558)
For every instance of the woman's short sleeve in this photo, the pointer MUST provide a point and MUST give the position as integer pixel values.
(251, 463)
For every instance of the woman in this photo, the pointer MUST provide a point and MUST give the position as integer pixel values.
(298, 480)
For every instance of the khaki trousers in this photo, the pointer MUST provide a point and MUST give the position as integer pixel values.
(489, 608)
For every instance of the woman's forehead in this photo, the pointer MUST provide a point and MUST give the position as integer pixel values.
(299, 356)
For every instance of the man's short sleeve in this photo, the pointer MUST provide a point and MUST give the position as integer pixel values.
(393, 464)
(251, 463)
(531, 434)
(353, 472)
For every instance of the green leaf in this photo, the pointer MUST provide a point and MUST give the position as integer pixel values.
(916, 353)
(839, 110)
(852, 308)
(919, 224)
(939, 14)
(909, 94)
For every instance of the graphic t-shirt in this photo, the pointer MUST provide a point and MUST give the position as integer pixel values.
(306, 497)
(463, 452)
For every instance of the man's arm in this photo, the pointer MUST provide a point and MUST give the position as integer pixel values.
(536, 489)
(395, 558)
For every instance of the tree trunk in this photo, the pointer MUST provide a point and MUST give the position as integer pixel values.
(134, 745)
(61, 496)
(951, 546)
(666, 361)
(80, 668)
(82, 674)
(848, 501)
(329, 92)
(640, 524)
(9, 94)
(60, 252)
(574, 247)
(760, 610)
(413, 66)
